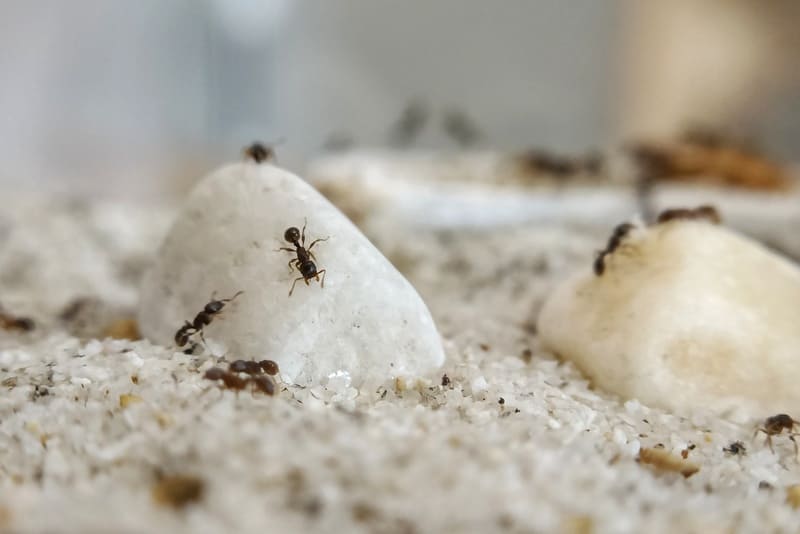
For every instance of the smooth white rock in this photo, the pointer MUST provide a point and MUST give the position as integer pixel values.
(367, 320)
(687, 315)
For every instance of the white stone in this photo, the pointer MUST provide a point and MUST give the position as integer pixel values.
(460, 190)
(686, 315)
(367, 320)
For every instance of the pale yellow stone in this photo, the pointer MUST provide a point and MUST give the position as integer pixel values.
(686, 315)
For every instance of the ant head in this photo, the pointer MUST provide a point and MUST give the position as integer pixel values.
(213, 307)
(292, 235)
(260, 152)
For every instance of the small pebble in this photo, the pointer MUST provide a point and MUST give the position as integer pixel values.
(126, 400)
(178, 491)
(665, 461)
(123, 329)
(793, 495)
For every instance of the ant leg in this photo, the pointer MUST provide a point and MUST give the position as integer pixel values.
(303, 233)
(317, 241)
(768, 441)
(322, 272)
(291, 264)
(203, 338)
(233, 297)
(287, 249)
(796, 451)
(293, 283)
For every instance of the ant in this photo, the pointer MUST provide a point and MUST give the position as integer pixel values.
(252, 367)
(461, 128)
(735, 448)
(702, 212)
(775, 425)
(11, 322)
(542, 161)
(303, 262)
(229, 379)
(259, 152)
(264, 384)
(259, 375)
(410, 124)
(202, 319)
(613, 243)
(546, 162)
(244, 366)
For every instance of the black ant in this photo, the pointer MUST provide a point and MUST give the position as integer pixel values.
(613, 243)
(702, 212)
(12, 322)
(735, 448)
(184, 333)
(777, 424)
(259, 152)
(461, 128)
(201, 320)
(546, 162)
(303, 262)
(410, 124)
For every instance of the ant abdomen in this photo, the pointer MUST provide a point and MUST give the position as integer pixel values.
(308, 269)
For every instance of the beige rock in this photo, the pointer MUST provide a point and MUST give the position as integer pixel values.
(685, 315)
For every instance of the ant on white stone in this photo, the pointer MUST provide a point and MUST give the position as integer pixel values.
(303, 262)
(202, 319)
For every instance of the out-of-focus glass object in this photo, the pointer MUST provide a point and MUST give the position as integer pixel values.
(140, 98)
(729, 64)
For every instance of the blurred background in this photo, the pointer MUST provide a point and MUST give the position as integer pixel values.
(139, 99)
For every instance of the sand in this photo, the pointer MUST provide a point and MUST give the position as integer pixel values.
(125, 436)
